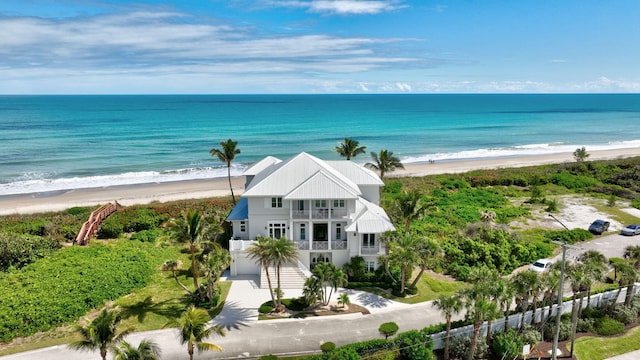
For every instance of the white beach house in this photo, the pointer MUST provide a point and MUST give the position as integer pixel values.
(328, 208)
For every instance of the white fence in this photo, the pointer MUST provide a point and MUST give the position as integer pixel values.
(514, 320)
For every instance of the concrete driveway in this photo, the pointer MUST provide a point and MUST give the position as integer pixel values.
(612, 245)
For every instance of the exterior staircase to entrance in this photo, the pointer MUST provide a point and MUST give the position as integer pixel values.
(291, 277)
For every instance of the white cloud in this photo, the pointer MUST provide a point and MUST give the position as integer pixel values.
(341, 7)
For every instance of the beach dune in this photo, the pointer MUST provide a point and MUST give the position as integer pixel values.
(192, 189)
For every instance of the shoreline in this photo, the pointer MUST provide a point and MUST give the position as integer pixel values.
(139, 194)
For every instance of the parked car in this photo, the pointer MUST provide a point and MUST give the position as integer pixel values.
(598, 227)
(633, 229)
(541, 265)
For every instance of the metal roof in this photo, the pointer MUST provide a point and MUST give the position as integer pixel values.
(321, 186)
(356, 172)
(261, 165)
(370, 218)
(240, 211)
(282, 178)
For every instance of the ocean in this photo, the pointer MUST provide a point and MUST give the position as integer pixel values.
(59, 143)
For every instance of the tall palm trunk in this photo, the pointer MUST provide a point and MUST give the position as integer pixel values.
(233, 197)
(629, 295)
(266, 270)
(446, 340)
(194, 272)
(474, 340)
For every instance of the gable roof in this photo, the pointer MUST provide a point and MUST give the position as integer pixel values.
(282, 178)
(261, 165)
(321, 186)
(370, 218)
(355, 172)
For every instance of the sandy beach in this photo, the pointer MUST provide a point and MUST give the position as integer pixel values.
(147, 193)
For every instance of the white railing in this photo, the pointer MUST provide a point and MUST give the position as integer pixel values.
(240, 245)
(339, 245)
(320, 245)
(369, 250)
(302, 245)
(304, 269)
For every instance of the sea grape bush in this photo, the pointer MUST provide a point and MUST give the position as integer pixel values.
(64, 286)
(18, 250)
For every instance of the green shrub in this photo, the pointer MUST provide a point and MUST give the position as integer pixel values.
(19, 250)
(327, 347)
(266, 308)
(147, 235)
(552, 205)
(343, 353)
(636, 203)
(507, 344)
(393, 187)
(388, 329)
(65, 285)
(608, 326)
(585, 325)
(625, 314)
(530, 335)
(268, 357)
(415, 345)
(573, 182)
(356, 270)
(565, 329)
(570, 237)
(111, 228)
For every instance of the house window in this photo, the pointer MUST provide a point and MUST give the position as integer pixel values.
(300, 205)
(338, 232)
(368, 240)
(370, 266)
(338, 203)
(277, 230)
(276, 202)
(303, 232)
(243, 226)
(321, 204)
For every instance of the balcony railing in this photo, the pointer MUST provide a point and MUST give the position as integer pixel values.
(240, 244)
(319, 213)
(303, 245)
(339, 245)
(369, 250)
(320, 245)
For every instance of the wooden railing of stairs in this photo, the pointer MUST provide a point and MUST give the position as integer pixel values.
(90, 227)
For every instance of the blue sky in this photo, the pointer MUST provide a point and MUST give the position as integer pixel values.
(319, 46)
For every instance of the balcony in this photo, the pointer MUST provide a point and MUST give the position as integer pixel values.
(302, 244)
(369, 250)
(240, 245)
(340, 213)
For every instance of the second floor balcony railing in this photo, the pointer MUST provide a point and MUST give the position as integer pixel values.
(338, 213)
(369, 250)
(320, 245)
(303, 244)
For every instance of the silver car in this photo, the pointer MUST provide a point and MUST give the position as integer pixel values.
(633, 229)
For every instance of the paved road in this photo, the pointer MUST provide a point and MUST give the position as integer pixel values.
(609, 245)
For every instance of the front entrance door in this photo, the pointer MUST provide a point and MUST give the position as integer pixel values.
(320, 232)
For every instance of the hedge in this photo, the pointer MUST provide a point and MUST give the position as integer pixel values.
(66, 285)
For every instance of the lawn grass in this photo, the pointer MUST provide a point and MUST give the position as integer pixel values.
(600, 348)
(429, 288)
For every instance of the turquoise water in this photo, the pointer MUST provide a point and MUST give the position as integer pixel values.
(66, 142)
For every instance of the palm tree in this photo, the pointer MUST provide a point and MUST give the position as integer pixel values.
(429, 254)
(402, 253)
(260, 251)
(349, 148)
(580, 154)
(282, 251)
(479, 308)
(632, 253)
(329, 275)
(189, 228)
(227, 153)
(550, 281)
(504, 294)
(193, 329)
(215, 261)
(449, 305)
(409, 206)
(596, 264)
(384, 162)
(100, 333)
(146, 350)
(523, 284)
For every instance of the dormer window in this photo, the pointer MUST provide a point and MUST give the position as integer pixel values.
(276, 202)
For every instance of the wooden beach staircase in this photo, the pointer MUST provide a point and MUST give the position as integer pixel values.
(96, 217)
